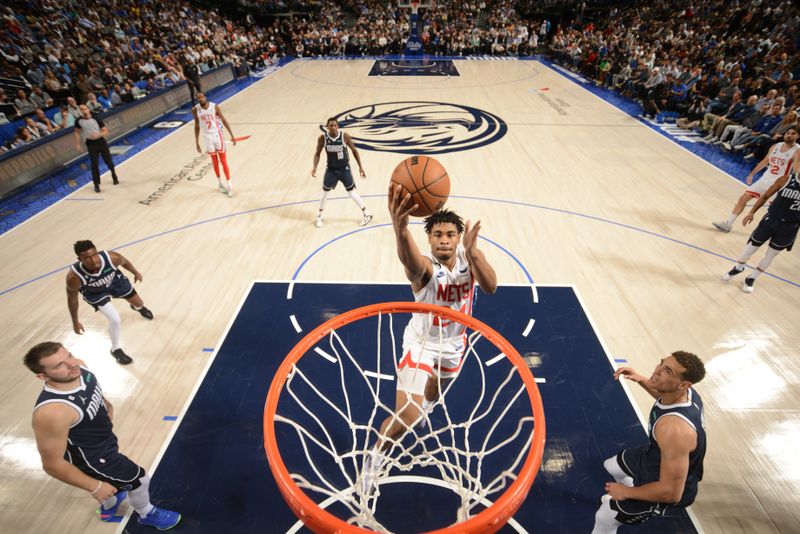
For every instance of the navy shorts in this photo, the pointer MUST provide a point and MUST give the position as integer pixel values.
(114, 468)
(334, 176)
(121, 288)
(780, 234)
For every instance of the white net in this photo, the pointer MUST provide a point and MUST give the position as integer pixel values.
(472, 442)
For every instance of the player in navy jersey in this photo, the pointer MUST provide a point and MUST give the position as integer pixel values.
(779, 226)
(98, 278)
(664, 473)
(444, 276)
(74, 434)
(336, 143)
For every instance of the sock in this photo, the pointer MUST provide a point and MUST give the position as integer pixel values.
(615, 470)
(731, 219)
(223, 158)
(114, 324)
(322, 201)
(140, 497)
(108, 503)
(747, 252)
(215, 162)
(137, 308)
(357, 198)
(605, 520)
(764, 263)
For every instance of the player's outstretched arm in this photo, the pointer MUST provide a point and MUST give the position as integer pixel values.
(418, 268)
(761, 165)
(73, 287)
(774, 188)
(225, 123)
(349, 142)
(121, 261)
(196, 129)
(320, 144)
(633, 376)
(480, 267)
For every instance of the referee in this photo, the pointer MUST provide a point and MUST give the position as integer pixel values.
(94, 132)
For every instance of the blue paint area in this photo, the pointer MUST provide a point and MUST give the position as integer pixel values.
(215, 472)
(170, 418)
(414, 67)
(46, 192)
(734, 165)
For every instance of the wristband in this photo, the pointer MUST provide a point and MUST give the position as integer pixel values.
(99, 485)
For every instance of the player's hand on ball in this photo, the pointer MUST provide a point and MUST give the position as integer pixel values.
(77, 327)
(400, 206)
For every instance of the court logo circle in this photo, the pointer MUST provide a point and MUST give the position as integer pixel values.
(419, 127)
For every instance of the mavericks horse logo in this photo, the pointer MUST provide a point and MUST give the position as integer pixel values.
(422, 128)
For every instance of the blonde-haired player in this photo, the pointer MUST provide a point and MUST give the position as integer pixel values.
(209, 119)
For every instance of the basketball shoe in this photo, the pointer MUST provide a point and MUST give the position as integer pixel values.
(733, 272)
(748, 285)
(160, 518)
(722, 226)
(107, 514)
(121, 357)
(318, 222)
(144, 312)
(365, 221)
(372, 466)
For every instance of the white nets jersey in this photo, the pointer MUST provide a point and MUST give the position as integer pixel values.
(454, 289)
(779, 161)
(209, 121)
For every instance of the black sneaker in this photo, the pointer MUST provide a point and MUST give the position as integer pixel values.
(733, 272)
(116, 181)
(147, 314)
(97, 189)
(747, 286)
(121, 357)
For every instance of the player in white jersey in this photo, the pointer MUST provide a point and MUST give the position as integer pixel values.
(432, 351)
(209, 119)
(777, 163)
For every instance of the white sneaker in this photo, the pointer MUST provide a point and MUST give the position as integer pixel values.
(230, 193)
(730, 274)
(372, 465)
(222, 189)
(722, 226)
(747, 285)
(318, 222)
(365, 221)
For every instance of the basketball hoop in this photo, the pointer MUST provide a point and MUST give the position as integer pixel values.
(461, 465)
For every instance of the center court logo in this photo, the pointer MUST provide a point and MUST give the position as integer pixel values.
(420, 128)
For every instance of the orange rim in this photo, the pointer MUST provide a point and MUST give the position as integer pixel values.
(322, 522)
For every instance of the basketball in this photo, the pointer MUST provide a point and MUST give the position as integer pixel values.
(427, 181)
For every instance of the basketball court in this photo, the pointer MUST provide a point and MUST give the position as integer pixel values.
(605, 216)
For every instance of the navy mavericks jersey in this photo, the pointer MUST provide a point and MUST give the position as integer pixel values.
(92, 435)
(336, 151)
(786, 203)
(690, 411)
(99, 283)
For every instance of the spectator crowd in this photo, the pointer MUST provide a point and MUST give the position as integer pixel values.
(727, 69)
(720, 67)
